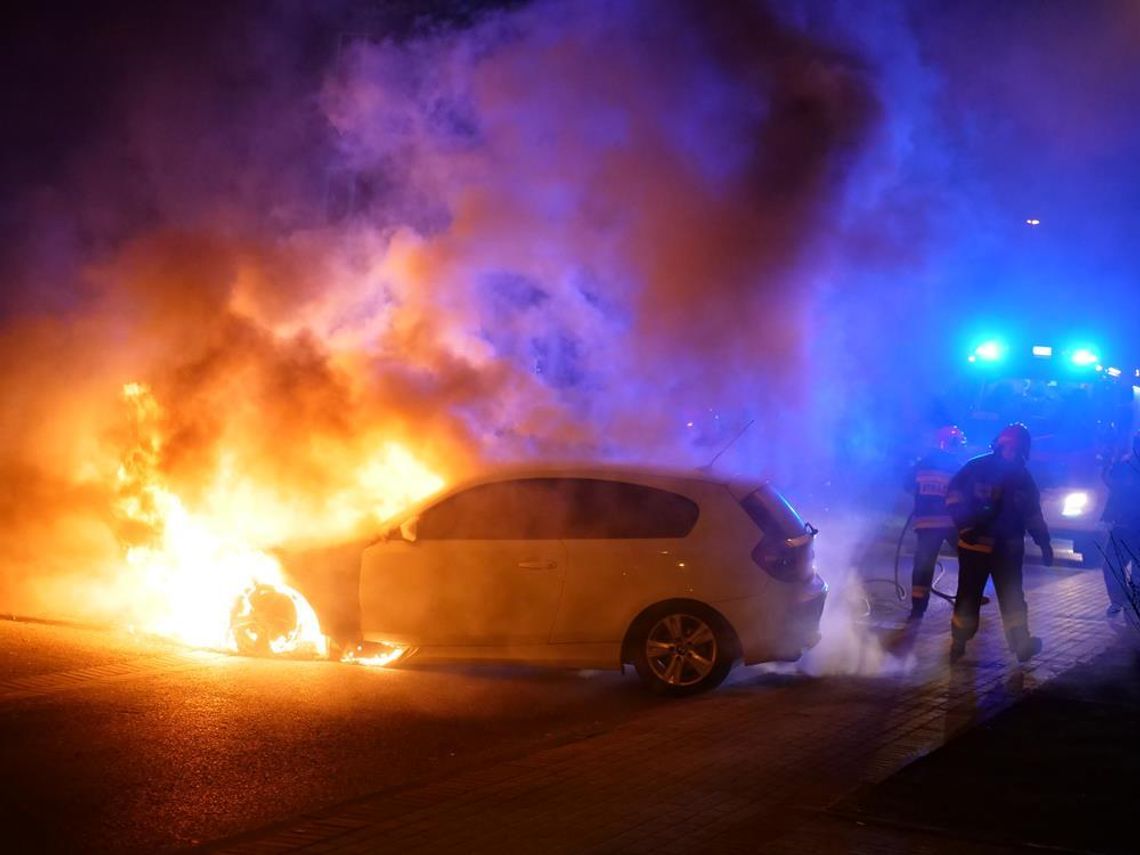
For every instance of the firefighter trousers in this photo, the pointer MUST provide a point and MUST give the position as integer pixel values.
(927, 543)
(974, 568)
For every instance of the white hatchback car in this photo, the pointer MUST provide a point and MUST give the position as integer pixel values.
(679, 574)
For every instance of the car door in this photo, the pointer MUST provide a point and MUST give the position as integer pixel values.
(626, 548)
(485, 568)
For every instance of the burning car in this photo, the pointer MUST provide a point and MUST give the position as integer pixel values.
(679, 574)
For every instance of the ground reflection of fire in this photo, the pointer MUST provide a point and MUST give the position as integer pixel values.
(194, 578)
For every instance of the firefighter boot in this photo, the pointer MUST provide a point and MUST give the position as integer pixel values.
(918, 608)
(957, 650)
(1028, 651)
(1024, 645)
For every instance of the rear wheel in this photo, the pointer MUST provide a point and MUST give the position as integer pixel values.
(682, 650)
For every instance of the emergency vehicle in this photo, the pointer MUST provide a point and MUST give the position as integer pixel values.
(1081, 412)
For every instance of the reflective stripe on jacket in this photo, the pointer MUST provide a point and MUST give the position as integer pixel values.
(928, 480)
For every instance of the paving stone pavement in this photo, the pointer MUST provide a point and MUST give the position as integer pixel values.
(752, 767)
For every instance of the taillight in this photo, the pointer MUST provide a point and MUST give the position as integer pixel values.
(784, 562)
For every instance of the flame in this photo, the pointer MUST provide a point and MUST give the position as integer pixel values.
(199, 578)
(385, 654)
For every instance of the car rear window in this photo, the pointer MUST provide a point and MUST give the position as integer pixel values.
(772, 513)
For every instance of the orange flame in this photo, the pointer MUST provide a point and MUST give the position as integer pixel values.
(197, 577)
(385, 654)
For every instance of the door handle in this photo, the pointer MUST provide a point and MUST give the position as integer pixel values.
(538, 565)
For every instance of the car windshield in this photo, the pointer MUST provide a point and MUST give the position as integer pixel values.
(1063, 416)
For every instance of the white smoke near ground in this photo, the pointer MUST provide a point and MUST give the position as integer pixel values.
(849, 645)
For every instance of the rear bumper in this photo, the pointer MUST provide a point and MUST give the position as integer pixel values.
(803, 621)
(779, 634)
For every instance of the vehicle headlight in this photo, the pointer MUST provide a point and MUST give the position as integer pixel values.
(1076, 503)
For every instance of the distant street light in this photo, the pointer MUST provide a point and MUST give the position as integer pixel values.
(1033, 221)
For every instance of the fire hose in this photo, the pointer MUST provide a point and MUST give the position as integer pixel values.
(900, 591)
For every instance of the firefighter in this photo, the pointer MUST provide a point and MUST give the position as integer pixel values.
(932, 524)
(1122, 513)
(993, 501)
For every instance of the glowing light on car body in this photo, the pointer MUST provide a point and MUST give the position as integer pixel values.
(1042, 350)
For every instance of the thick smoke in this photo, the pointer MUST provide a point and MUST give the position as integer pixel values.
(621, 198)
(558, 230)
(326, 236)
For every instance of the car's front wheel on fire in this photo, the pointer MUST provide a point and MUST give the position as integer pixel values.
(682, 649)
(259, 617)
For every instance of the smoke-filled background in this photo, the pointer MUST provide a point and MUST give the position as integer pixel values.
(351, 249)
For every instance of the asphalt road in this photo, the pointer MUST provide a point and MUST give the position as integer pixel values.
(114, 743)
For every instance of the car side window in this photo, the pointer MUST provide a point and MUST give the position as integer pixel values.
(555, 508)
(621, 510)
(523, 509)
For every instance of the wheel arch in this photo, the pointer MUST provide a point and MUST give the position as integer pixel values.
(628, 642)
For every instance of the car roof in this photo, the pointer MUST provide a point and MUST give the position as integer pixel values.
(599, 471)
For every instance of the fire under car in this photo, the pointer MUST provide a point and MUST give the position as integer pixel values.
(680, 575)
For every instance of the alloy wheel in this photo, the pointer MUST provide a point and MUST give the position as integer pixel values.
(681, 650)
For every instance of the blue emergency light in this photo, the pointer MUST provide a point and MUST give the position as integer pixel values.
(1082, 356)
(988, 351)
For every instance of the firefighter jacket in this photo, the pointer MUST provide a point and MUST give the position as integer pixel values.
(993, 504)
(928, 480)
(1123, 506)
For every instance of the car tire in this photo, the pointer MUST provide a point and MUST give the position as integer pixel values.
(682, 649)
(260, 616)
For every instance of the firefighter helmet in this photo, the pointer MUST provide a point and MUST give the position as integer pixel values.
(950, 437)
(1015, 434)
